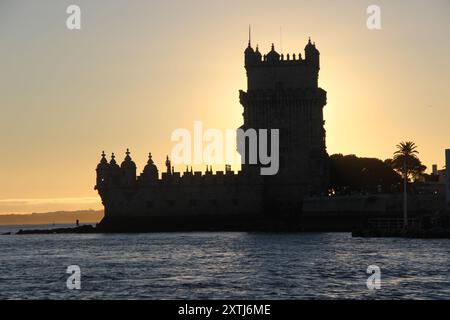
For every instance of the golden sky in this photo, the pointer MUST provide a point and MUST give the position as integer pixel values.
(137, 70)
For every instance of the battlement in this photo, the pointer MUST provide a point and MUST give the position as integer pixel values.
(278, 70)
(200, 178)
(111, 175)
(281, 59)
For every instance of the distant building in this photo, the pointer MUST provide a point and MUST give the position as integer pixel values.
(433, 183)
(282, 93)
(435, 170)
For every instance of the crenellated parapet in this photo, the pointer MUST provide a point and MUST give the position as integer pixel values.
(278, 70)
(112, 176)
(255, 58)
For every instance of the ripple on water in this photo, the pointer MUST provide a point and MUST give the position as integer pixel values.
(222, 266)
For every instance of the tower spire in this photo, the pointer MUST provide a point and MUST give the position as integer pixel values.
(150, 159)
(103, 160)
(127, 155)
(249, 35)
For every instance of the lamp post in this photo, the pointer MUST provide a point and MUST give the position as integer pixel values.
(405, 196)
(447, 175)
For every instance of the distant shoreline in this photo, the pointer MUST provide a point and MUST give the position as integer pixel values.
(49, 218)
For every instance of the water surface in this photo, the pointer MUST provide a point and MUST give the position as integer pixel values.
(221, 266)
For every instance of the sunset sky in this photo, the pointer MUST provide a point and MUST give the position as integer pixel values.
(137, 70)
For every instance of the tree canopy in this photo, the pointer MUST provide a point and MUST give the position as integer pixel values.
(406, 160)
(354, 173)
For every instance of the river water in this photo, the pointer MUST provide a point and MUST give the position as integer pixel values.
(221, 266)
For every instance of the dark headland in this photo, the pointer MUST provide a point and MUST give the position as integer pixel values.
(360, 224)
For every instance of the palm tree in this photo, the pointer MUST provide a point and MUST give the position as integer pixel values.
(406, 154)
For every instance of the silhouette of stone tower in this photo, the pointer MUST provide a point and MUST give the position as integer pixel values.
(283, 93)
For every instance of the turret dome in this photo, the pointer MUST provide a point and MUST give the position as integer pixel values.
(258, 54)
(103, 162)
(249, 50)
(311, 47)
(150, 167)
(150, 173)
(113, 162)
(273, 56)
(127, 162)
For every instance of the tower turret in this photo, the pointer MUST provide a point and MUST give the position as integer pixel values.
(258, 55)
(168, 165)
(284, 94)
(150, 173)
(250, 57)
(312, 55)
(102, 173)
(128, 170)
(114, 171)
(273, 56)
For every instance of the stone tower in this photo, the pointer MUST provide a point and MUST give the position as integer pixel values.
(283, 93)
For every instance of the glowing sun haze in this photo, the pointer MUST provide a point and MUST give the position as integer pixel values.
(137, 70)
